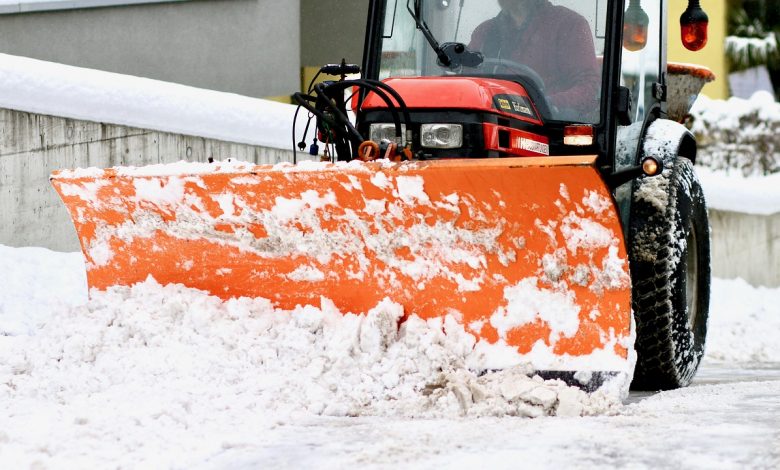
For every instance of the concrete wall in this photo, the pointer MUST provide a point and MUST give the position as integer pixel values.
(249, 47)
(746, 246)
(32, 146)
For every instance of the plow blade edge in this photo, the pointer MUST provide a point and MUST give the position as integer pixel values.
(527, 254)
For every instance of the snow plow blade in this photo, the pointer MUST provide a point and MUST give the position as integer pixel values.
(527, 254)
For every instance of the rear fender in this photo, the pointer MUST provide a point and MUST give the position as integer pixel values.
(666, 140)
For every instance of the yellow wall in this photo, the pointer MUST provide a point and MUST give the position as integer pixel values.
(714, 53)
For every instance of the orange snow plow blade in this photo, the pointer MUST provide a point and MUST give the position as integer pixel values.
(524, 252)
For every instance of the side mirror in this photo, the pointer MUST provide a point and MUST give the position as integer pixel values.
(635, 23)
(693, 26)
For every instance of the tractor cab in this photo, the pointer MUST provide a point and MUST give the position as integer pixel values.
(539, 63)
(501, 78)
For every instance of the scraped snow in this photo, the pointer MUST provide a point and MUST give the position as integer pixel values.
(171, 378)
(153, 360)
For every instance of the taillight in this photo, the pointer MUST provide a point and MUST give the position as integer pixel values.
(581, 136)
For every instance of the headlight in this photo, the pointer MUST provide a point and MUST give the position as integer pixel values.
(441, 136)
(379, 132)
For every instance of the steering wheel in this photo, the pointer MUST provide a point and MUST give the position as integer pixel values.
(520, 69)
(528, 77)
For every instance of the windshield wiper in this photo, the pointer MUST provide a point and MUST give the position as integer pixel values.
(444, 59)
(450, 54)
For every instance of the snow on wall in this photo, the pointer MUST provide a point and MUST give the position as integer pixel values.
(734, 193)
(737, 134)
(742, 49)
(61, 90)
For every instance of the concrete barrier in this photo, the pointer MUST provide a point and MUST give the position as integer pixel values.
(34, 145)
(746, 246)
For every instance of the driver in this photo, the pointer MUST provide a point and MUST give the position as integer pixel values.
(554, 41)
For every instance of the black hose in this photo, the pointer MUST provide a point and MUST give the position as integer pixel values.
(340, 128)
(396, 95)
(383, 96)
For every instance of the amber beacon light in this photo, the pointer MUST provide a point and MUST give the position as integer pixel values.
(693, 26)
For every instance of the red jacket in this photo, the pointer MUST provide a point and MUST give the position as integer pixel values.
(554, 41)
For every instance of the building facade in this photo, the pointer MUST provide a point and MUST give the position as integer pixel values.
(249, 47)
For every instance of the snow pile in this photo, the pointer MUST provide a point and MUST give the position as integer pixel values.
(739, 153)
(36, 283)
(166, 361)
(744, 323)
(167, 377)
(740, 135)
(48, 88)
(314, 359)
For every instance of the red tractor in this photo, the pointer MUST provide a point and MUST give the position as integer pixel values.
(533, 187)
(538, 78)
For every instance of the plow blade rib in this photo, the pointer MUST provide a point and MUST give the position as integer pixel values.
(526, 254)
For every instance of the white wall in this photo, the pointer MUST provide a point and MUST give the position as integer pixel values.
(746, 246)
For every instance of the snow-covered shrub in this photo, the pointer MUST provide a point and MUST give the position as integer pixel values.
(744, 52)
(738, 134)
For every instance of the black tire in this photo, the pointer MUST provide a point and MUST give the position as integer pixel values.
(670, 272)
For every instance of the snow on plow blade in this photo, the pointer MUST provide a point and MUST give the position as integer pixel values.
(526, 254)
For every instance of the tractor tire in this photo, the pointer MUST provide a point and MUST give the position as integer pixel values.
(670, 272)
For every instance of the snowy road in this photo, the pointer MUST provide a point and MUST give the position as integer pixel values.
(85, 393)
(727, 419)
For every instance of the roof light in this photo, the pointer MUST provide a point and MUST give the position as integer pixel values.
(580, 136)
(635, 24)
(693, 26)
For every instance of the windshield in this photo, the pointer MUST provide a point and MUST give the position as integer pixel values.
(555, 46)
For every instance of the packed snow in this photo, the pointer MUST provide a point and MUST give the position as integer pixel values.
(168, 377)
(61, 90)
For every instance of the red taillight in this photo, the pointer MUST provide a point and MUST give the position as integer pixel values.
(693, 26)
(581, 136)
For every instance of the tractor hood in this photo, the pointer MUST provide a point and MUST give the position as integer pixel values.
(491, 95)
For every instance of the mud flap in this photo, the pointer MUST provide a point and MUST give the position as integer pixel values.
(526, 254)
